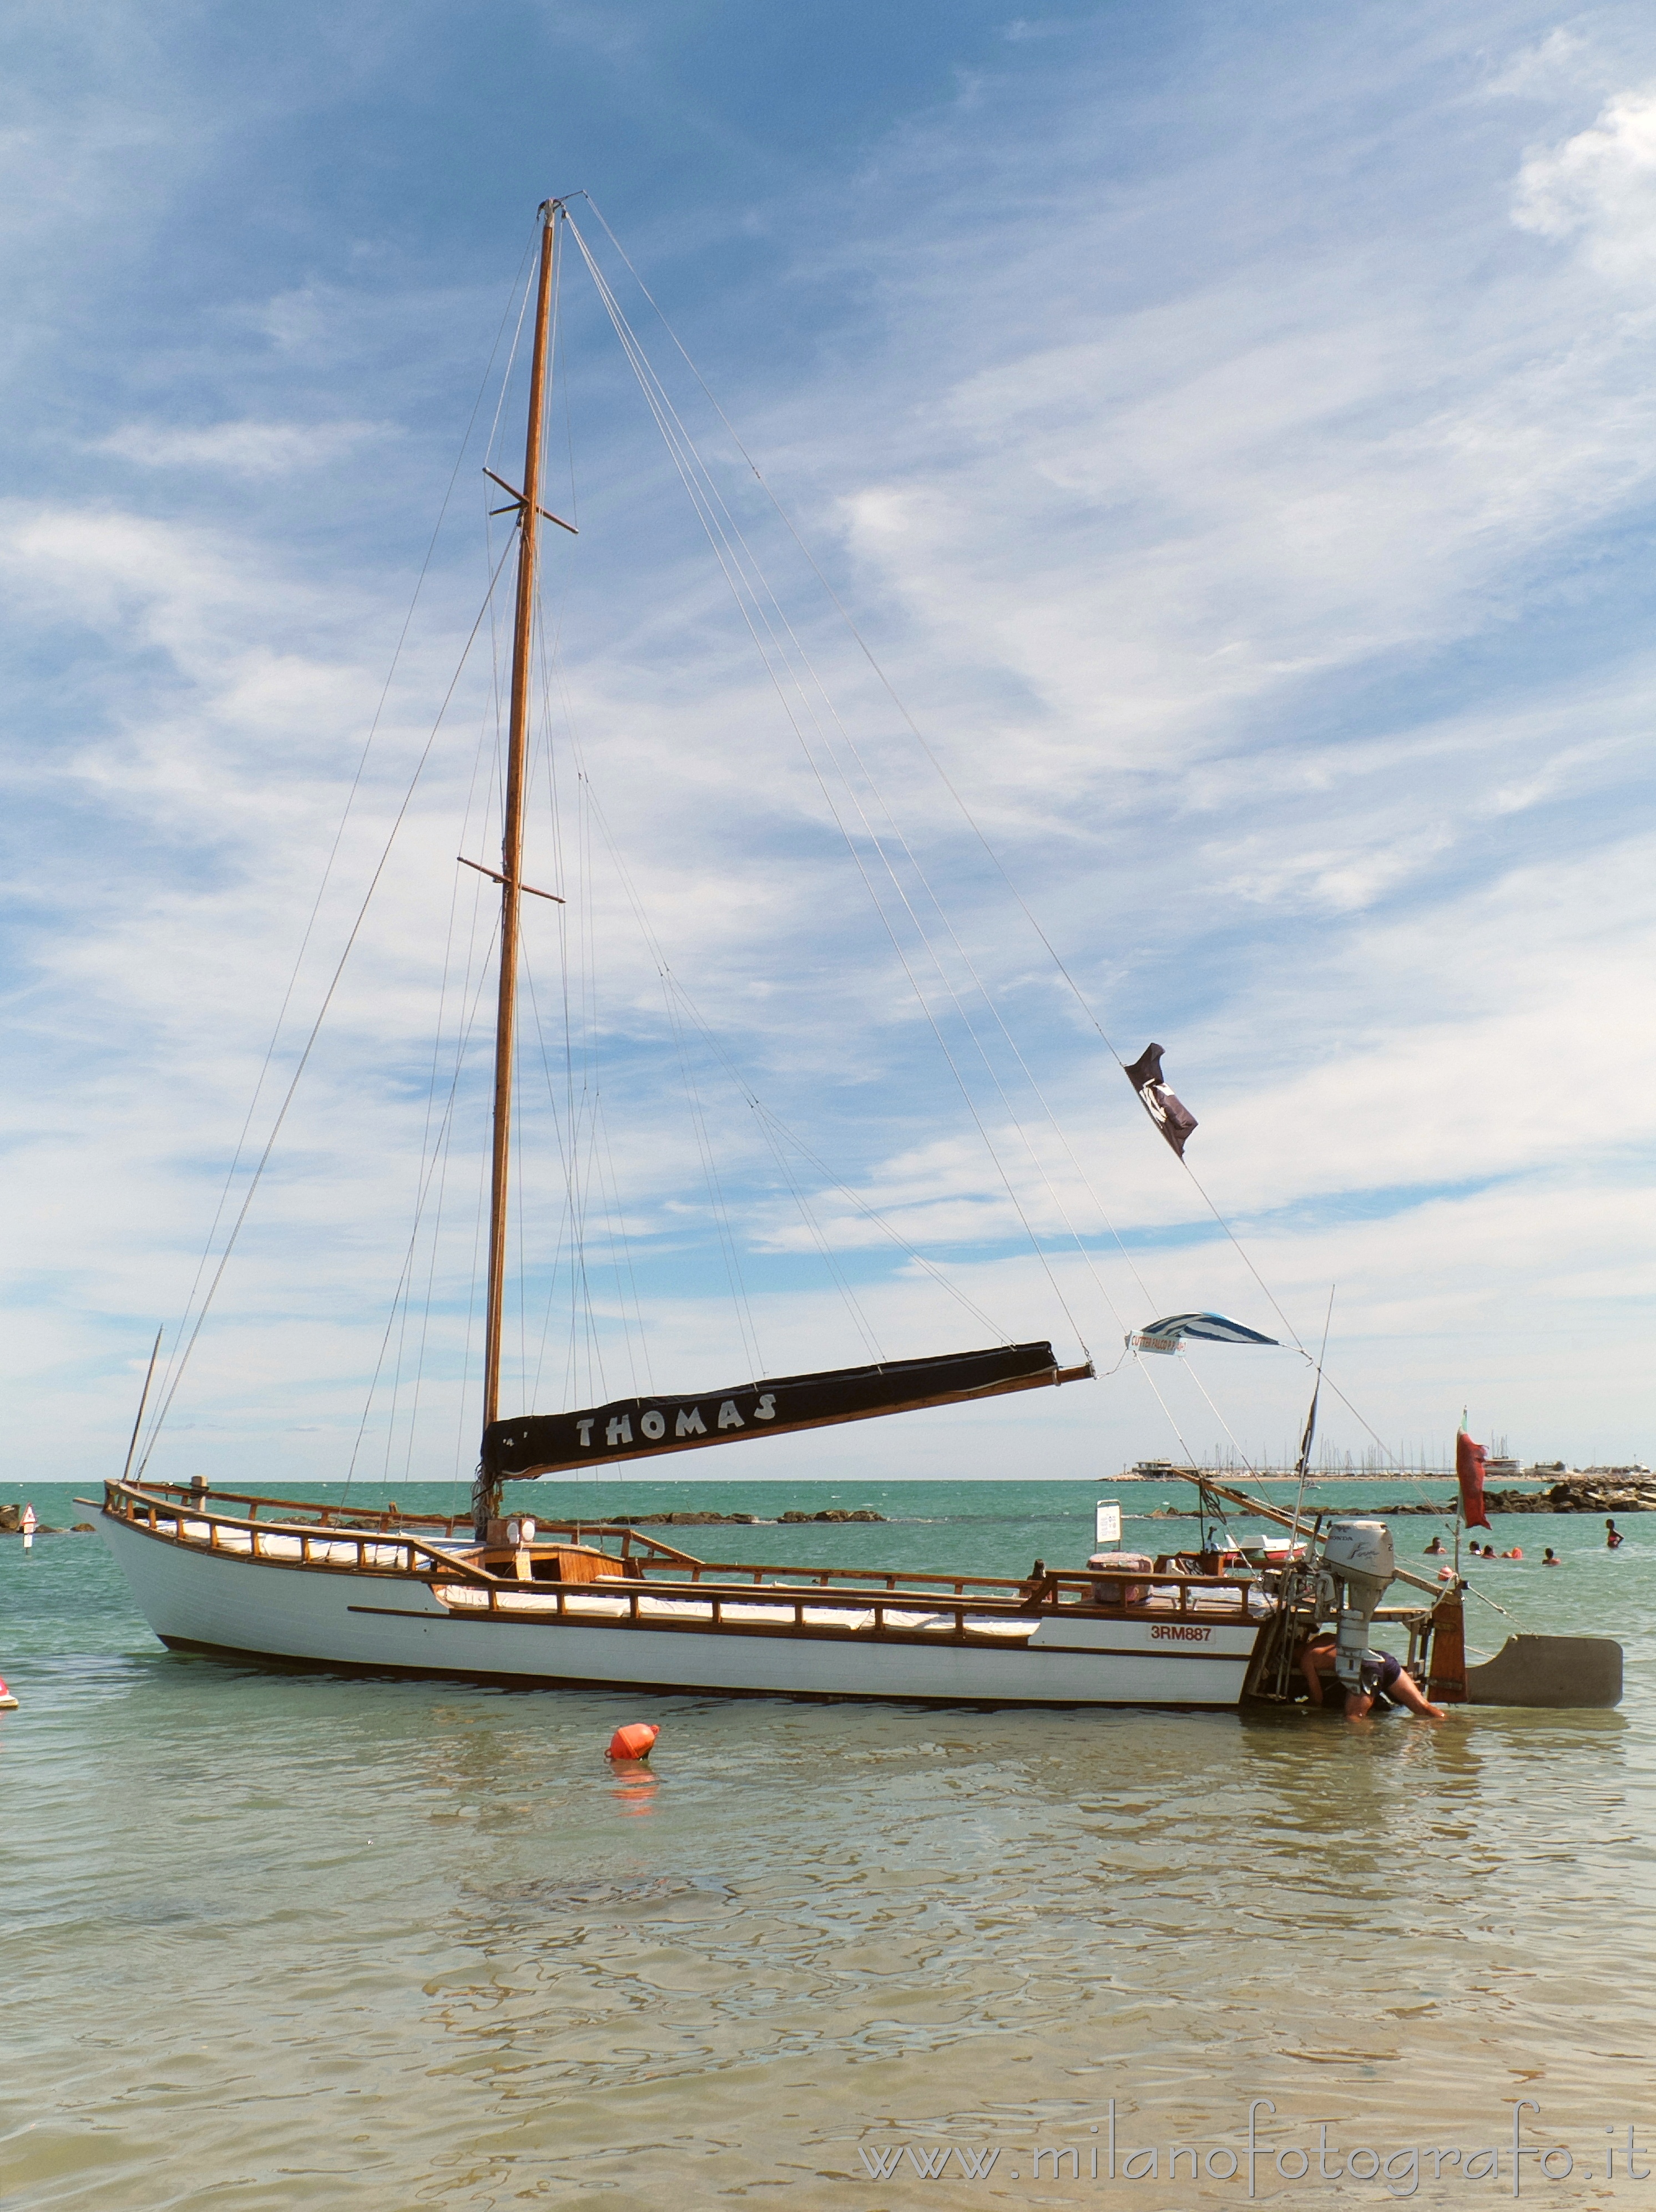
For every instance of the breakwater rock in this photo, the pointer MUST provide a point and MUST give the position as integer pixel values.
(1588, 1492)
(727, 1520)
(1592, 1492)
(679, 1521)
(11, 1523)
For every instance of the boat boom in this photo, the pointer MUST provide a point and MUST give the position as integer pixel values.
(1257, 1506)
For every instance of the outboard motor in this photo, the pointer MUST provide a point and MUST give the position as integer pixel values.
(1358, 1554)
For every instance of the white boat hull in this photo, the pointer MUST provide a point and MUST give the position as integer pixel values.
(237, 1605)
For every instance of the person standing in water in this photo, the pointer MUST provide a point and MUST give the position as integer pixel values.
(1386, 1677)
(1613, 1537)
(1382, 1676)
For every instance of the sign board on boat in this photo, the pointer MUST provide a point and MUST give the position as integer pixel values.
(1107, 1520)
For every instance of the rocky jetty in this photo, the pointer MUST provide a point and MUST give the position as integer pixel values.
(1609, 1490)
(11, 1523)
(1586, 1490)
(679, 1521)
(725, 1520)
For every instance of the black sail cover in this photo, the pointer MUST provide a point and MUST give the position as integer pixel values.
(639, 1428)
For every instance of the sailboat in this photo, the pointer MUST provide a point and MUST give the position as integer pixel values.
(504, 1597)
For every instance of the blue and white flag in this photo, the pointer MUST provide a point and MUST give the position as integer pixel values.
(1168, 1334)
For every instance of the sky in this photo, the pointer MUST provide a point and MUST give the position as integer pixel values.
(1201, 464)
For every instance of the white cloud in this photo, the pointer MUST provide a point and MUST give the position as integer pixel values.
(1600, 184)
(1536, 71)
(245, 449)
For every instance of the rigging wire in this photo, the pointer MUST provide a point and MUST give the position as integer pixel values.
(600, 1173)
(681, 433)
(755, 599)
(592, 810)
(747, 581)
(711, 507)
(958, 797)
(523, 288)
(429, 1170)
(716, 1195)
(315, 1031)
(710, 1038)
(621, 1249)
(446, 1141)
(168, 1376)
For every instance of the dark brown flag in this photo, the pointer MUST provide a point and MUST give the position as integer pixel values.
(1174, 1120)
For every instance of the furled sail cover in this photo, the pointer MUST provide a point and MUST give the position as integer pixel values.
(636, 1428)
(1167, 1334)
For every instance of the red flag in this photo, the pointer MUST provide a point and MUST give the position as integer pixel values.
(1469, 1473)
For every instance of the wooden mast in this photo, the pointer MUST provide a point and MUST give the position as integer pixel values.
(486, 1495)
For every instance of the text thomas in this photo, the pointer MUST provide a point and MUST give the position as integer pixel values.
(686, 1422)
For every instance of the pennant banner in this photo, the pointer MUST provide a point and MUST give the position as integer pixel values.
(1175, 1121)
(1173, 1329)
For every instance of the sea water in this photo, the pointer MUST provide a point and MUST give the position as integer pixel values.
(282, 1939)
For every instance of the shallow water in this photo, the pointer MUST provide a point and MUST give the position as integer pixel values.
(278, 1940)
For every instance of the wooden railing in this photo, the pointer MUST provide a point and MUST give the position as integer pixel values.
(176, 1514)
(344, 1520)
(325, 1516)
(164, 1510)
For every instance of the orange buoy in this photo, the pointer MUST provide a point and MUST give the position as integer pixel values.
(635, 1740)
(7, 1702)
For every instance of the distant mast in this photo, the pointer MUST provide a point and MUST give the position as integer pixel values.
(485, 1496)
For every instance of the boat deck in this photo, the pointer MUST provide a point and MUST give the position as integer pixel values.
(560, 1578)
